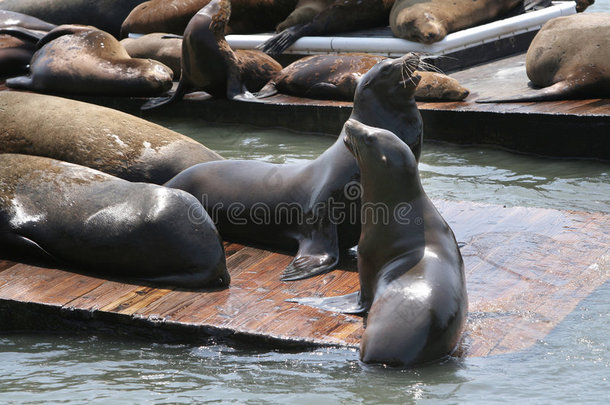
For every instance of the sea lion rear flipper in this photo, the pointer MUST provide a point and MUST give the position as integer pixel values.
(280, 42)
(318, 253)
(558, 91)
(21, 82)
(172, 36)
(347, 304)
(268, 90)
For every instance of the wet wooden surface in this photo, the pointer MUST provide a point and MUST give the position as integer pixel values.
(526, 269)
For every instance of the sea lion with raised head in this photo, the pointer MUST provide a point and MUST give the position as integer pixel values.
(76, 59)
(98, 137)
(411, 272)
(55, 213)
(324, 17)
(308, 206)
(335, 77)
(209, 63)
(564, 66)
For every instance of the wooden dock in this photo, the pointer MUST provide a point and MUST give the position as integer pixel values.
(526, 269)
(567, 129)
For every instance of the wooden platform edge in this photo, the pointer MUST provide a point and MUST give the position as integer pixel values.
(20, 316)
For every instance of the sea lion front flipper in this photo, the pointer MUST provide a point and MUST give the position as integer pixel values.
(323, 91)
(346, 304)
(318, 253)
(25, 34)
(160, 101)
(21, 82)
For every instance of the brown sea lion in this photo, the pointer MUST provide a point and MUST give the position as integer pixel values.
(248, 16)
(84, 60)
(324, 17)
(209, 63)
(161, 47)
(430, 21)
(410, 268)
(581, 5)
(335, 77)
(60, 214)
(98, 137)
(565, 66)
(311, 205)
(107, 15)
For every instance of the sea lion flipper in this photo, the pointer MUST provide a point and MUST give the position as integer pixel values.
(347, 304)
(559, 91)
(278, 43)
(23, 33)
(323, 90)
(21, 82)
(305, 266)
(268, 90)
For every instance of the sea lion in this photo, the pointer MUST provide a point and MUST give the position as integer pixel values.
(410, 268)
(429, 21)
(324, 17)
(335, 77)
(98, 137)
(309, 206)
(84, 60)
(209, 63)
(107, 15)
(249, 16)
(12, 19)
(564, 66)
(60, 214)
(161, 47)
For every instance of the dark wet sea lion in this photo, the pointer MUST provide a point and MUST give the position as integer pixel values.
(98, 137)
(335, 77)
(411, 271)
(60, 214)
(107, 15)
(85, 60)
(12, 18)
(209, 63)
(249, 16)
(568, 58)
(161, 47)
(310, 206)
(430, 21)
(335, 16)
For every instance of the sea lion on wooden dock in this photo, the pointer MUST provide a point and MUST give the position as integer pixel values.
(565, 65)
(98, 137)
(429, 21)
(335, 77)
(107, 15)
(324, 17)
(172, 16)
(410, 268)
(209, 63)
(61, 214)
(161, 47)
(78, 59)
(310, 206)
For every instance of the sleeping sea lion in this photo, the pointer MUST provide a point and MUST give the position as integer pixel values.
(55, 213)
(84, 60)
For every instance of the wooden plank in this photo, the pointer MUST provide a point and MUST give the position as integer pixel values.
(526, 269)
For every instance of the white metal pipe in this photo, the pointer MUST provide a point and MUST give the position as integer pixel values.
(391, 46)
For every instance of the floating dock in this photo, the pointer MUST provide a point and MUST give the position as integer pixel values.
(526, 269)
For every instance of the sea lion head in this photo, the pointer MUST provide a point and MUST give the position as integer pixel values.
(392, 78)
(218, 12)
(377, 149)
